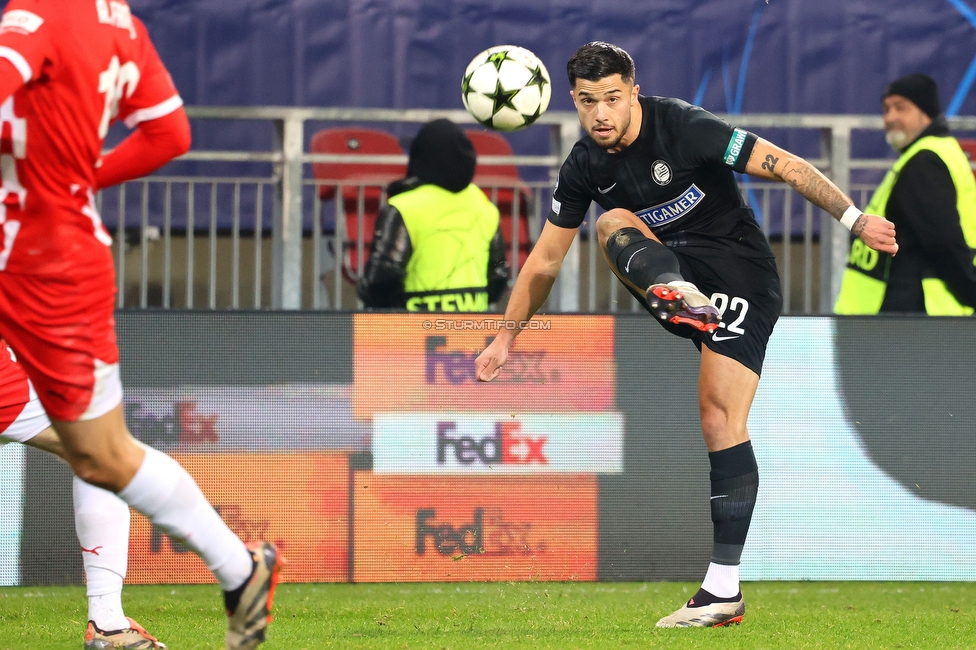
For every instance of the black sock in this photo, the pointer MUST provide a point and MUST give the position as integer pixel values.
(641, 260)
(702, 598)
(232, 598)
(735, 483)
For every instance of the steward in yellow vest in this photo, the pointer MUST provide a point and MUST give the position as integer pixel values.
(438, 246)
(930, 196)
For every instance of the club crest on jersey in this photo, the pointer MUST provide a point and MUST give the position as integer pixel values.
(661, 172)
(20, 21)
(674, 209)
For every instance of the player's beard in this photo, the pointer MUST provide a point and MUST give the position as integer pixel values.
(613, 143)
(896, 139)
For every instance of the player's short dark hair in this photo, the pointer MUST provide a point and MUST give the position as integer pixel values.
(597, 60)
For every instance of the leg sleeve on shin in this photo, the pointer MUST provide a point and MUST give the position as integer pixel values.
(641, 260)
(735, 486)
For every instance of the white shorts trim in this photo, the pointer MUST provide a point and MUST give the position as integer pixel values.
(31, 421)
(15, 57)
(153, 112)
(107, 392)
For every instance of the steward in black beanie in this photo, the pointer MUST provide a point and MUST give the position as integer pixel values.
(919, 89)
(442, 155)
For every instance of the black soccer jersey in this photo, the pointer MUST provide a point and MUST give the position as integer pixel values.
(676, 176)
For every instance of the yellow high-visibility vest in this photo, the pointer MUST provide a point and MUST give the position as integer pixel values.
(450, 234)
(864, 282)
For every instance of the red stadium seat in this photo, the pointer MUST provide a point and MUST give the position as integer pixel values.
(500, 183)
(371, 178)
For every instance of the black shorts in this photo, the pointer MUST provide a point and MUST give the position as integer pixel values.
(743, 282)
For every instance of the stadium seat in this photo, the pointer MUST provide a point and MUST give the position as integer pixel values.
(969, 147)
(370, 178)
(500, 183)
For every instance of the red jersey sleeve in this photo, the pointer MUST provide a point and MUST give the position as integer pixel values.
(26, 36)
(155, 95)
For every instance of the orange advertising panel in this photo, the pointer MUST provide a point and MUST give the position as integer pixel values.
(423, 528)
(425, 362)
(299, 501)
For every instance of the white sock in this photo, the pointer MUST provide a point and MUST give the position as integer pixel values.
(170, 498)
(721, 580)
(102, 524)
(106, 612)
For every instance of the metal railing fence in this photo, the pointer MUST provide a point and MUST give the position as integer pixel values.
(265, 240)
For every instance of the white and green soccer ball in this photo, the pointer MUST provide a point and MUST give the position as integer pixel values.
(506, 88)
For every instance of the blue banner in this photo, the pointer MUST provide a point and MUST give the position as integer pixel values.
(730, 56)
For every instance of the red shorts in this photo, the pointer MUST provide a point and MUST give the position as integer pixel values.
(21, 414)
(63, 333)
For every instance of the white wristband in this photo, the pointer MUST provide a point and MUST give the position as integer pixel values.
(850, 216)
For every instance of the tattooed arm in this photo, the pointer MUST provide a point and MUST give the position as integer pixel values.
(772, 163)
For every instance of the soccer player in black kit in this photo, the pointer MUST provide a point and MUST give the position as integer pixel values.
(678, 236)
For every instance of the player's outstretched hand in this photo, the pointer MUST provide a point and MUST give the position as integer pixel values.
(877, 232)
(490, 362)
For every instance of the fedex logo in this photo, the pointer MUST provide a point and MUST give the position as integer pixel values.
(185, 425)
(468, 539)
(458, 442)
(457, 367)
(232, 514)
(488, 534)
(507, 446)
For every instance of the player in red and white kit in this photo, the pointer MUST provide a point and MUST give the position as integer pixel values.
(68, 68)
(101, 518)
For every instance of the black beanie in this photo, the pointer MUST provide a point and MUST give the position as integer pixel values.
(920, 89)
(443, 155)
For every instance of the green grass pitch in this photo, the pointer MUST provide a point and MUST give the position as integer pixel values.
(562, 616)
